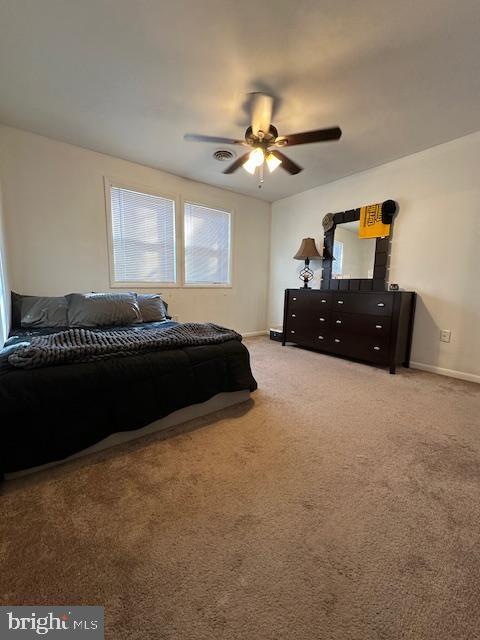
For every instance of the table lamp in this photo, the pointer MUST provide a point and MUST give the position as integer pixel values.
(307, 251)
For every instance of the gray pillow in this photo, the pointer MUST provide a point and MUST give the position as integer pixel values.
(41, 311)
(152, 307)
(102, 309)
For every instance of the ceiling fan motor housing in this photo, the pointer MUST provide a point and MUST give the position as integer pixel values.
(265, 139)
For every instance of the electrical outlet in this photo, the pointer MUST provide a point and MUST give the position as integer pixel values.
(445, 335)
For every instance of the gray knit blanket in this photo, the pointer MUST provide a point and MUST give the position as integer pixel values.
(84, 345)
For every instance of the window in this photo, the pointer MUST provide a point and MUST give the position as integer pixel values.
(207, 245)
(142, 237)
(337, 264)
(143, 234)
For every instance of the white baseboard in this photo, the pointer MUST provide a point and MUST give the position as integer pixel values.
(451, 373)
(251, 334)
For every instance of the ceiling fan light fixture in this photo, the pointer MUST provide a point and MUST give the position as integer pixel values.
(272, 162)
(255, 159)
(249, 166)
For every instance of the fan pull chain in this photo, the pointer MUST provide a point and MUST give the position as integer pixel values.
(261, 177)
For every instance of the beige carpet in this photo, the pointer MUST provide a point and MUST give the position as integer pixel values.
(341, 503)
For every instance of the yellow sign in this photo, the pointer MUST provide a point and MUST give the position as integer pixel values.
(371, 225)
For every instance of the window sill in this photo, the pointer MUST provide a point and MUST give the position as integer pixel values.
(167, 285)
(206, 285)
(145, 285)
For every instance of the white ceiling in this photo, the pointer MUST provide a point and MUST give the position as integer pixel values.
(130, 77)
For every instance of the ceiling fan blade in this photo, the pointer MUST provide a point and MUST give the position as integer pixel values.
(289, 165)
(237, 164)
(193, 137)
(262, 108)
(319, 135)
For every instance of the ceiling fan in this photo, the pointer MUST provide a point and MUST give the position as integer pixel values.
(262, 138)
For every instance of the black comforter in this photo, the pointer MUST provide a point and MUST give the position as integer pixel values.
(50, 413)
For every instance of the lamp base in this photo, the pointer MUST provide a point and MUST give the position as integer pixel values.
(306, 274)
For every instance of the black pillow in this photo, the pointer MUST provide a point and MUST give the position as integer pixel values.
(39, 311)
(102, 309)
(152, 307)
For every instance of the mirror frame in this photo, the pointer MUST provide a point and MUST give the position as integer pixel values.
(380, 266)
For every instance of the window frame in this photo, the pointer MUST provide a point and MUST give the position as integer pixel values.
(138, 284)
(223, 209)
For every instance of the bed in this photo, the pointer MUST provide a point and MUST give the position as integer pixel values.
(50, 413)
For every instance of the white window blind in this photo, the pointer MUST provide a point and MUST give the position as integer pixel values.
(207, 245)
(143, 237)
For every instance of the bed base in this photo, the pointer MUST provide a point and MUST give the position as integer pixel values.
(219, 401)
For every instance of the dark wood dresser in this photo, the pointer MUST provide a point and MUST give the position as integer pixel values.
(373, 326)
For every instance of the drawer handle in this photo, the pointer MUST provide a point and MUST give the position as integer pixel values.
(293, 315)
(320, 337)
(339, 301)
(322, 319)
(337, 340)
(378, 326)
(294, 298)
(338, 321)
(292, 331)
(377, 348)
(323, 300)
(381, 304)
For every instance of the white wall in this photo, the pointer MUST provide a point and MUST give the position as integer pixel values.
(56, 228)
(54, 211)
(435, 250)
(4, 281)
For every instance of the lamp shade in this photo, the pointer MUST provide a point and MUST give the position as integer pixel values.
(307, 250)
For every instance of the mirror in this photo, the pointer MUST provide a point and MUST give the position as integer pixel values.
(354, 256)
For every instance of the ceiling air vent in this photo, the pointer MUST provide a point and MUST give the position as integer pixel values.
(223, 154)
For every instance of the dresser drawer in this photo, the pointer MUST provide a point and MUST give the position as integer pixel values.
(299, 300)
(301, 322)
(378, 352)
(299, 332)
(322, 339)
(309, 300)
(308, 334)
(345, 343)
(371, 303)
(321, 320)
(362, 324)
(323, 301)
(360, 347)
